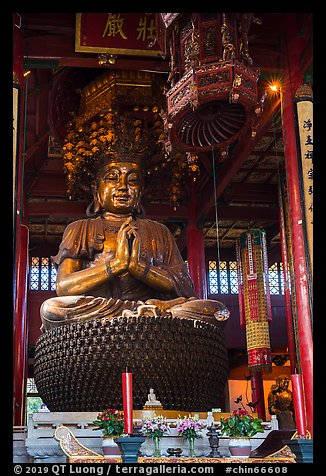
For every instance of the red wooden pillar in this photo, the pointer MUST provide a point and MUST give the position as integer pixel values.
(21, 242)
(293, 79)
(257, 394)
(196, 249)
(287, 292)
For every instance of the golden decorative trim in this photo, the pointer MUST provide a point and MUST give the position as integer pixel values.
(73, 447)
(304, 91)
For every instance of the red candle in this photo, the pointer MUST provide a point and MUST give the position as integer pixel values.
(298, 402)
(127, 401)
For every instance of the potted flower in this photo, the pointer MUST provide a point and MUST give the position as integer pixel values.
(240, 426)
(190, 429)
(155, 427)
(111, 423)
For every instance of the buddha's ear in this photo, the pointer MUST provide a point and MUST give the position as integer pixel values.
(94, 207)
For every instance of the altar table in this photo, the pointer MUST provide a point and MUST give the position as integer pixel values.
(180, 460)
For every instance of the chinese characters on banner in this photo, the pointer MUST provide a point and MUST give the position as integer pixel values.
(304, 111)
(255, 299)
(117, 33)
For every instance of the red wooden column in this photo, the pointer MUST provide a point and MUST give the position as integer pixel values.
(21, 245)
(196, 248)
(293, 79)
(257, 394)
(287, 292)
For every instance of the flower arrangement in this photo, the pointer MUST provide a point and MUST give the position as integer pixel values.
(110, 422)
(190, 427)
(155, 427)
(241, 425)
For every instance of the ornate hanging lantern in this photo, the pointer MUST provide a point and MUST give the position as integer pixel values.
(254, 298)
(213, 93)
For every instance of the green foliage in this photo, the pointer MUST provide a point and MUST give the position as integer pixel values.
(33, 404)
(110, 422)
(240, 424)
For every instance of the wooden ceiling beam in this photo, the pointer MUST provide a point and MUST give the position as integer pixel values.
(255, 192)
(158, 212)
(61, 49)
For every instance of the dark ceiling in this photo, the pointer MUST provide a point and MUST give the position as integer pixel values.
(238, 193)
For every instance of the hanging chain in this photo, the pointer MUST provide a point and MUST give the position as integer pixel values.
(216, 216)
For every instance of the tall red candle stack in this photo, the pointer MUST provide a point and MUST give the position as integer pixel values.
(127, 401)
(299, 404)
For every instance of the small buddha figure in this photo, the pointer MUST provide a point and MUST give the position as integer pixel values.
(116, 260)
(151, 399)
(280, 403)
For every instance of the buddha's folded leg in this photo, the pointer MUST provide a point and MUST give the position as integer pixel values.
(66, 309)
(165, 305)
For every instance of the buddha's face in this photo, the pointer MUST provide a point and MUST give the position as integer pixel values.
(119, 187)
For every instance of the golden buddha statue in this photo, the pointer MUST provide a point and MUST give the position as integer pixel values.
(116, 260)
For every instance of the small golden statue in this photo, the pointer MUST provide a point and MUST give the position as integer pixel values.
(280, 403)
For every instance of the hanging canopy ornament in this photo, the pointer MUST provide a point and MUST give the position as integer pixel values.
(213, 86)
(254, 298)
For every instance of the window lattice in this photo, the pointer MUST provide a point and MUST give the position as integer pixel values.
(281, 275)
(31, 387)
(34, 274)
(43, 274)
(226, 281)
(273, 279)
(53, 277)
(233, 277)
(212, 277)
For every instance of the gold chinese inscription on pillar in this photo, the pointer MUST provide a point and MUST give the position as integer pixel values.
(304, 111)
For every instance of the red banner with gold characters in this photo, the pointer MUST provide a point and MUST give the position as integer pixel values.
(117, 33)
(255, 298)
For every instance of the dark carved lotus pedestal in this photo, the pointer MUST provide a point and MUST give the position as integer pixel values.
(78, 366)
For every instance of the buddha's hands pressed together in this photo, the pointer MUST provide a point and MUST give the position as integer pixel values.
(136, 268)
(120, 263)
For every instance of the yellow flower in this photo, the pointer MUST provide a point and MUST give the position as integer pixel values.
(95, 149)
(94, 142)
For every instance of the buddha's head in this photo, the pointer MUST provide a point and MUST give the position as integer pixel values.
(118, 188)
